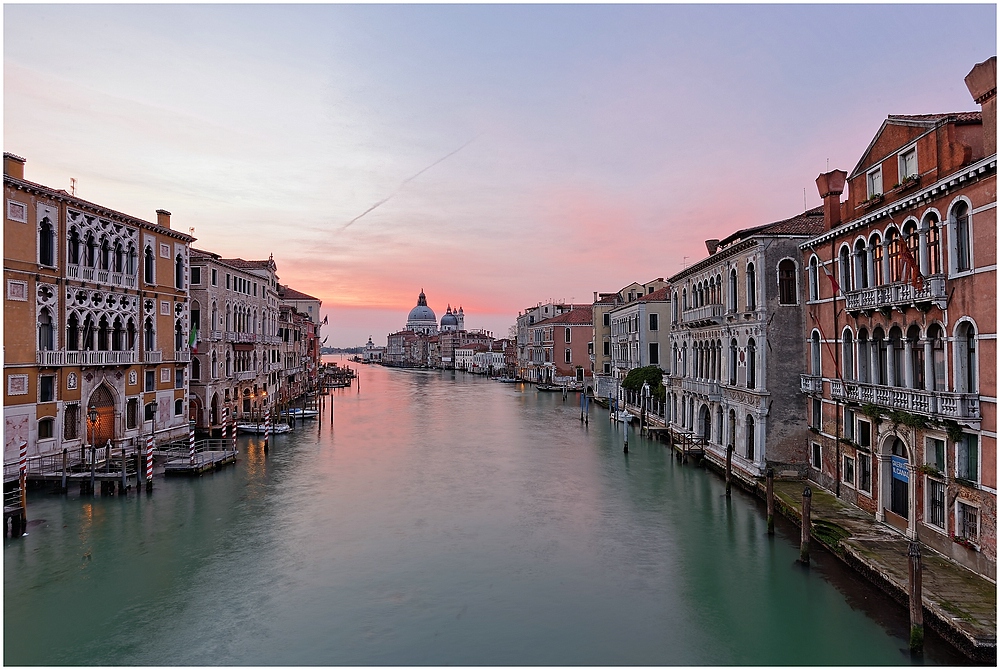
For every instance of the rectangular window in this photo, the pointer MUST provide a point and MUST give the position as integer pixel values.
(132, 413)
(935, 503)
(968, 458)
(864, 472)
(228, 278)
(195, 319)
(568, 335)
(215, 277)
(817, 456)
(195, 276)
(849, 424)
(817, 414)
(935, 453)
(607, 348)
(848, 472)
(45, 431)
(607, 368)
(875, 182)
(908, 164)
(607, 319)
(654, 321)
(255, 292)
(46, 388)
(150, 380)
(968, 522)
(654, 353)
(147, 412)
(864, 434)
(71, 422)
(178, 407)
(569, 356)
(179, 378)
(590, 348)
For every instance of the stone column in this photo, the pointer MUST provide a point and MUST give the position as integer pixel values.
(884, 483)
(928, 365)
(924, 258)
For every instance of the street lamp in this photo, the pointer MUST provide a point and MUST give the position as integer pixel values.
(92, 418)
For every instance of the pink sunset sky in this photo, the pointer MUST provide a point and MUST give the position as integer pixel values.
(584, 146)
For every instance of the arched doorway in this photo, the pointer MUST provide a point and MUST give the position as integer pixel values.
(705, 423)
(899, 487)
(103, 400)
(194, 410)
(214, 417)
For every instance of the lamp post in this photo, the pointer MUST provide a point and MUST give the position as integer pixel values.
(645, 405)
(92, 419)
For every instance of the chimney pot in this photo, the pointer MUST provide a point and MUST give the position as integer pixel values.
(831, 185)
(982, 85)
(163, 218)
(712, 246)
(13, 166)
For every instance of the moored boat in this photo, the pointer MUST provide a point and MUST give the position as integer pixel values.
(258, 428)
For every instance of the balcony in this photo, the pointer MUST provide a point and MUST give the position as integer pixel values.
(900, 294)
(182, 356)
(275, 367)
(72, 271)
(152, 357)
(934, 404)
(244, 376)
(811, 383)
(215, 335)
(707, 315)
(100, 357)
(104, 276)
(293, 371)
(702, 387)
(87, 274)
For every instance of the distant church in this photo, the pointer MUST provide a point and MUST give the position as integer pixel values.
(422, 319)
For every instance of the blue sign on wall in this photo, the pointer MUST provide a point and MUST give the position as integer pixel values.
(900, 470)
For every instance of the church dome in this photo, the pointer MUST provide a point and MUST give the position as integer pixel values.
(449, 319)
(422, 318)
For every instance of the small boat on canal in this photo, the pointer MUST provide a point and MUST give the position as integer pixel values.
(548, 387)
(299, 413)
(258, 428)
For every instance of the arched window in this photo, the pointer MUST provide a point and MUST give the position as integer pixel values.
(732, 362)
(46, 243)
(149, 269)
(228, 364)
(751, 438)
(91, 251)
(963, 241)
(912, 241)
(119, 257)
(878, 277)
(845, 269)
(178, 336)
(675, 308)
(149, 335)
(88, 333)
(786, 282)
(73, 332)
(896, 351)
(46, 339)
(965, 358)
(935, 335)
(130, 268)
(179, 271)
(130, 335)
(864, 357)
(892, 244)
(751, 288)
(105, 254)
(117, 335)
(815, 358)
(813, 279)
(751, 364)
(684, 298)
(880, 371)
(861, 265)
(684, 360)
(916, 357)
(933, 245)
(103, 335)
(848, 357)
(215, 366)
(73, 255)
(732, 291)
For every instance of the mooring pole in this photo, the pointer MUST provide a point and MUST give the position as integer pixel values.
(770, 501)
(806, 525)
(729, 470)
(65, 459)
(916, 599)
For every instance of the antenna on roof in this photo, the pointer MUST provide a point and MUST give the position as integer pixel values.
(72, 186)
(684, 262)
(804, 206)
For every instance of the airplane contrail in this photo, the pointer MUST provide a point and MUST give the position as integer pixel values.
(407, 181)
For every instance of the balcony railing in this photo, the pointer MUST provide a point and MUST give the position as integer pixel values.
(897, 295)
(103, 276)
(87, 273)
(702, 387)
(100, 357)
(293, 371)
(936, 404)
(182, 356)
(244, 376)
(72, 271)
(152, 357)
(215, 335)
(705, 315)
(811, 383)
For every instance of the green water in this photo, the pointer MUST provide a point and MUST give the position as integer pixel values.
(441, 520)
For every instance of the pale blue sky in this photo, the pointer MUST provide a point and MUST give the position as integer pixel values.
(607, 142)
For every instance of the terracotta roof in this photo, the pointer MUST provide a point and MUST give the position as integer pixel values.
(246, 265)
(809, 222)
(959, 117)
(659, 295)
(582, 315)
(607, 300)
(288, 293)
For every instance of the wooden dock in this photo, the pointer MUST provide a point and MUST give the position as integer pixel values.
(208, 455)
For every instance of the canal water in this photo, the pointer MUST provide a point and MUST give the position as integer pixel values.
(443, 519)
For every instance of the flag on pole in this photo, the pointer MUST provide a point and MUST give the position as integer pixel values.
(910, 272)
(193, 340)
(833, 280)
(326, 320)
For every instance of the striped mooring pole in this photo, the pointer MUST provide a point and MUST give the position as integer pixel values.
(22, 465)
(267, 430)
(234, 433)
(149, 463)
(191, 441)
(225, 425)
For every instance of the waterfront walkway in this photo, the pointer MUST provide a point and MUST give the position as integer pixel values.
(958, 604)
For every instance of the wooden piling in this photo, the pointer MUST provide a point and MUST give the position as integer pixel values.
(770, 501)
(916, 599)
(62, 483)
(806, 525)
(729, 470)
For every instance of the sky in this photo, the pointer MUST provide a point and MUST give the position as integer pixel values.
(495, 156)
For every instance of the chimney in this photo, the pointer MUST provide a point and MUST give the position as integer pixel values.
(13, 166)
(712, 246)
(595, 296)
(831, 185)
(982, 84)
(163, 218)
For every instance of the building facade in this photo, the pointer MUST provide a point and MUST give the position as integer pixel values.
(735, 348)
(640, 333)
(900, 374)
(96, 315)
(559, 348)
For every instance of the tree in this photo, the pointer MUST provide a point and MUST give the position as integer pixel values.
(652, 375)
